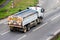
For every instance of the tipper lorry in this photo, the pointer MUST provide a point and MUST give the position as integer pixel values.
(26, 19)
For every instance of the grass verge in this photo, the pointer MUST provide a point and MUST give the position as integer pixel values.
(58, 38)
(18, 6)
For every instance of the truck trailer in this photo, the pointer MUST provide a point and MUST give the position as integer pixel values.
(26, 19)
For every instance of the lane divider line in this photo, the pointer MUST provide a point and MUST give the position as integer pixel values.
(4, 33)
(55, 17)
(57, 32)
(22, 37)
(49, 38)
(40, 26)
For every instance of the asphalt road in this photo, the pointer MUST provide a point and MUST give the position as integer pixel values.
(49, 4)
(51, 23)
(7, 1)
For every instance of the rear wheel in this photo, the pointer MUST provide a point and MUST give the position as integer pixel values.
(25, 30)
(12, 29)
(35, 23)
(28, 28)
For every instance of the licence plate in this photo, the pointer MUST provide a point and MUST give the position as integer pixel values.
(14, 18)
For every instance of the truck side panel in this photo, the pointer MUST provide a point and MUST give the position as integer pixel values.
(29, 19)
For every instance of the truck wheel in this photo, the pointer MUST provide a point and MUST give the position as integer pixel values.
(35, 22)
(38, 21)
(41, 19)
(11, 30)
(25, 30)
(28, 28)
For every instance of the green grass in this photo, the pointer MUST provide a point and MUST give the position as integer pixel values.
(58, 38)
(18, 5)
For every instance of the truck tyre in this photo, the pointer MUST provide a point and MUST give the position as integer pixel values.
(41, 19)
(11, 29)
(35, 22)
(38, 21)
(25, 30)
(28, 28)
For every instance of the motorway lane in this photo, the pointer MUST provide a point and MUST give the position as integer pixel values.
(3, 28)
(44, 32)
(14, 35)
(49, 4)
(53, 12)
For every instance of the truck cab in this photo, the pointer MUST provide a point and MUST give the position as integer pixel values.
(39, 10)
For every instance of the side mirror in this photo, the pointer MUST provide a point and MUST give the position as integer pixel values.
(27, 8)
(42, 10)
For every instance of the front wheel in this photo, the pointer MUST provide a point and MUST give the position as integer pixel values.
(28, 28)
(39, 20)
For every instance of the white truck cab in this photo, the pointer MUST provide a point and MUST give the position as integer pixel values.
(39, 10)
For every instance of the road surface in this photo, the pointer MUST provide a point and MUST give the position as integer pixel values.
(51, 23)
(7, 1)
(49, 4)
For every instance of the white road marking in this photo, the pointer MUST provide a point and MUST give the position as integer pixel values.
(4, 33)
(22, 37)
(49, 38)
(2, 22)
(40, 26)
(55, 17)
(5, 23)
(57, 32)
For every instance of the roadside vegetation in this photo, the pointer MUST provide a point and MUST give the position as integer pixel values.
(58, 38)
(19, 5)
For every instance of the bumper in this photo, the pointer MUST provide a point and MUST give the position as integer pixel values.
(17, 26)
